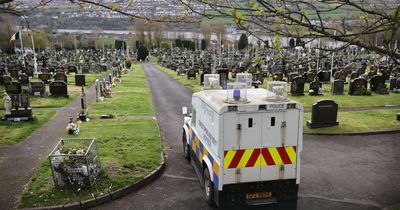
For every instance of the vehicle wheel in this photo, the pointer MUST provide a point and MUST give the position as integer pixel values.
(208, 188)
(186, 151)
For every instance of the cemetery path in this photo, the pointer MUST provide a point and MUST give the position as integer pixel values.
(19, 162)
(337, 172)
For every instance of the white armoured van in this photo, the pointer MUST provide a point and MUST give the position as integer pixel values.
(245, 144)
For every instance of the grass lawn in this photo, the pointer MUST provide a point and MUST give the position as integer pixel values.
(129, 148)
(15, 132)
(360, 121)
(348, 121)
(73, 92)
(131, 97)
(192, 85)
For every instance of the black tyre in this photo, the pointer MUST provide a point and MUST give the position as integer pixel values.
(208, 188)
(186, 151)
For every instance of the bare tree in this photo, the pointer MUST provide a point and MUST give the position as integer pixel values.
(206, 31)
(220, 30)
(7, 25)
(149, 32)
(158, 33)
(139, 30)
(309, 19)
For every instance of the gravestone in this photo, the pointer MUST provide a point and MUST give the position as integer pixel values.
(297, 86)
(29, 71)
(61, 77)
(392, 83)
(13, 88)
(20, 110)
(315, 88)
(58, 88)
(97, 69)
(84, 111)
(191, 74)
(359, 87)
(6, 79)
(85, 69)
(23, 79)
(324, 76)
(337, 87)
(80, 80)
(37, 88)
(72, 69)
(13, 73)
(291, 76)
(377, 84)
(45, 77)
(223, 76)
(202, 78)
(44, 70)
(386, 74)
(309, 76)
(323, 114)
(97, 86)
(277, 76)
(396, 88)
(354, 75)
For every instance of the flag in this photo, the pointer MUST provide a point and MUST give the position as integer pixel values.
(14, 37)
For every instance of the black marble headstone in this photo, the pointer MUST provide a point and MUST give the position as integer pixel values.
(61, 77)
(376, 82)
(358, 86)
(45, 77)
(223, 76)
(323, 114)
(37, 88)
(80, 80)
(297, 86)
(58, 89)
(337, 87)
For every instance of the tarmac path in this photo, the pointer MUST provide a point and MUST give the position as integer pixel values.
(337, 172)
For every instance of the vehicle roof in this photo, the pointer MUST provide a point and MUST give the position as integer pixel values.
(255, 96)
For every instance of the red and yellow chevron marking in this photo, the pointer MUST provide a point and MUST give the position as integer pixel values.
(259, 157)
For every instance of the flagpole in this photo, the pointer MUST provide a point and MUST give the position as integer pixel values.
(22, 49)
